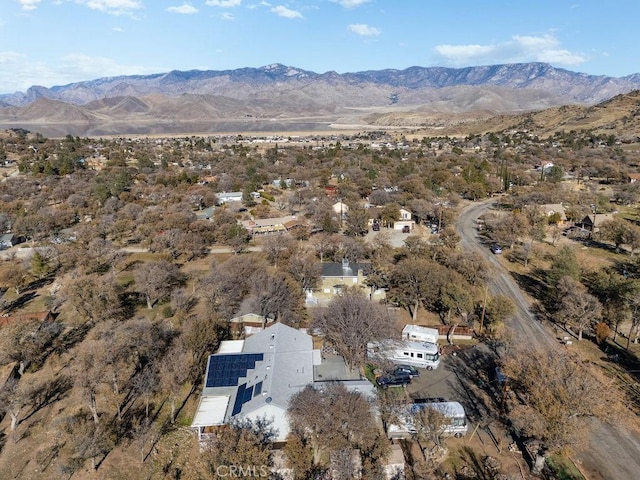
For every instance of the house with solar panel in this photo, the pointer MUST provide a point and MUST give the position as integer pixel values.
(255, 378)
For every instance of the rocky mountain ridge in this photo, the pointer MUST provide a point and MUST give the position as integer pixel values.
(243, 83)
(278, 97)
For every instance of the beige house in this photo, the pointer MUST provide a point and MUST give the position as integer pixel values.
(338, 276)
(405, 215)
(340, 208)
(406, 220)
(553, 208)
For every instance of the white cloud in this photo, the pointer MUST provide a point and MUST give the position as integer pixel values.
(87, 67)
(185, 9)
(351, 3)
(285, 12)
(562, 57)
(29, 4)
(9, 57)
(227, 16)
(18, 72)
(113, 7)
(223, 3)
(520, 48)
(363, 29)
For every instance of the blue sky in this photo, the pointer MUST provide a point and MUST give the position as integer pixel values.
(56, 42)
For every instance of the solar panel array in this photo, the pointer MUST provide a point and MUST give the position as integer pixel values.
(243, 396)
(225, 370)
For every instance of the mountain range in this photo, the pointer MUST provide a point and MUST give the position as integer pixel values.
(281, 98)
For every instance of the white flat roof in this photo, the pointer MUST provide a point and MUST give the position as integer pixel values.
(211, 411)
(317, 357)
(231, 346)
(423, 333)
(419, 328)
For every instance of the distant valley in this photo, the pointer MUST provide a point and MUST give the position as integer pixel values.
(286, 99)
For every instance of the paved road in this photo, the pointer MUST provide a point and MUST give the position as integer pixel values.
(613, 452)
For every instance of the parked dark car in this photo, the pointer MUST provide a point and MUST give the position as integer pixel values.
(495, 248)
(376, 227)
(393, 380)
(406, 229)
(406, 370)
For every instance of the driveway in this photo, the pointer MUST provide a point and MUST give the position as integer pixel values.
(395, 237)
(439, 383)
(613, 451)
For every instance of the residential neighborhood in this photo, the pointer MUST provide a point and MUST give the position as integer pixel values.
(339, 311)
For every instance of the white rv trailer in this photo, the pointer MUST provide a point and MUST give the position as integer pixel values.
(455, 420)
(416, 333)
(418, 354)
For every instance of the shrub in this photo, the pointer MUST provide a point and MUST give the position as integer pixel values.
(602, 332)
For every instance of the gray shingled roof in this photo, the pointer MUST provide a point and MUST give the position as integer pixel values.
(348, 269)
(286, 368)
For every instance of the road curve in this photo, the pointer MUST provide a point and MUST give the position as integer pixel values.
(613, 451)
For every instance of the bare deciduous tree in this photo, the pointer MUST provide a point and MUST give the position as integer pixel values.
(200, 337)
(430, 427)
(555, 390)
(85, 440)
(27, 342)
(305, 269)
(243, 443)
(578, 308)
(325, 245)
(15, 277)
(350, 321)
(174, 373)
(155, 280)
(278, 248)
(89, 375)
(275, 295)
(412, 283)
(226, 285)
(13, 397)
(94, 298)
(334, 419)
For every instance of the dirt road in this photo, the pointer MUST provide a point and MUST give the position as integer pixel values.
(613, 452)
(500, 281)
